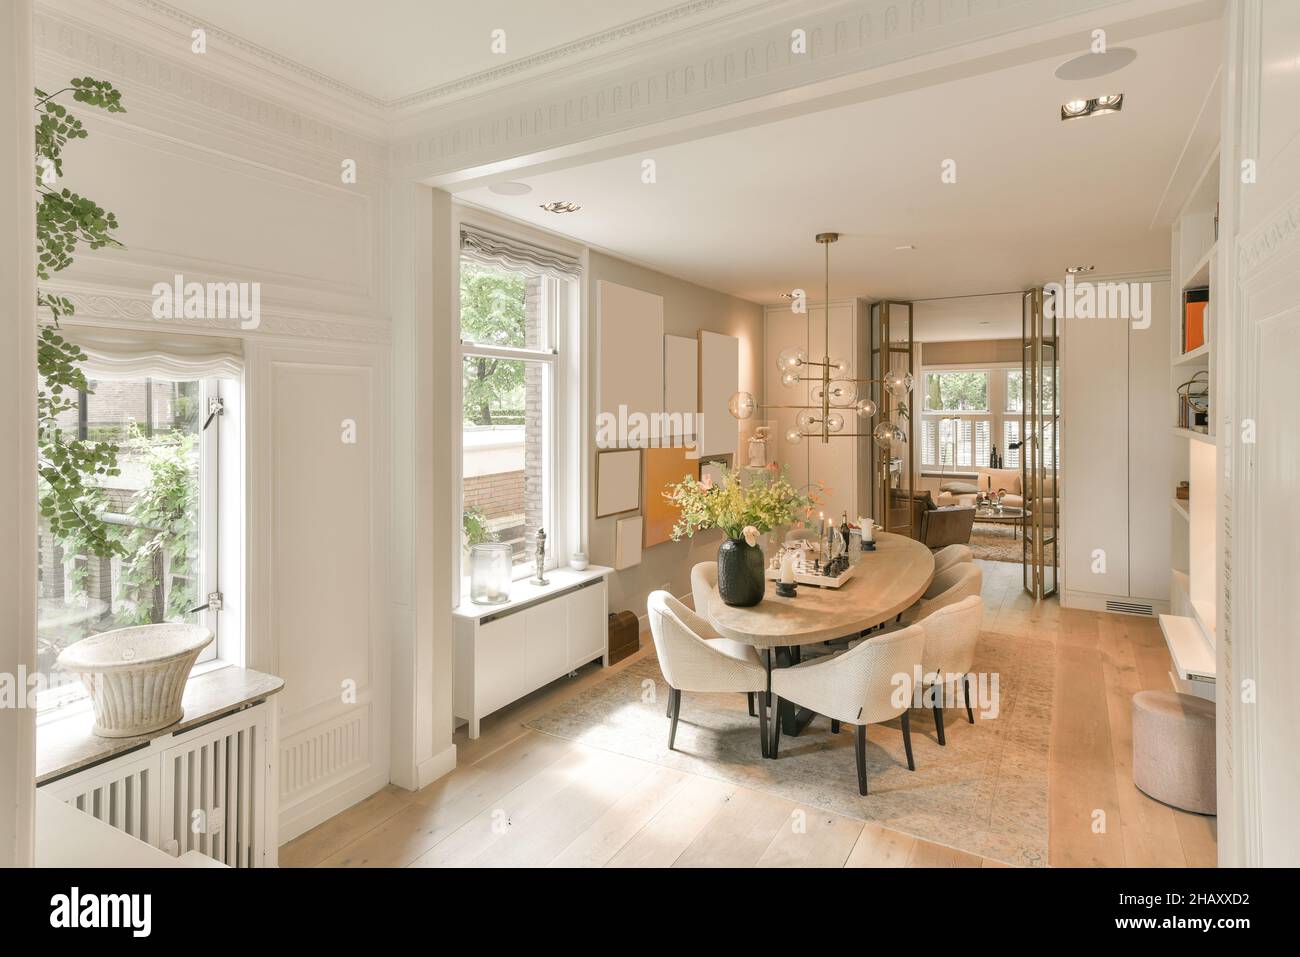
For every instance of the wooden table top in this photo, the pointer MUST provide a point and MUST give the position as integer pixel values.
(886, 581)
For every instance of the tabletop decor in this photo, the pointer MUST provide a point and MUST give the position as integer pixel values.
(744, 510)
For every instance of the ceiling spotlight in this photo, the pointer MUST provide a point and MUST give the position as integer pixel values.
(561, 207)
(905, 248)
(510, 189)
(1075, 270)
(1110, 103)
(787, 295)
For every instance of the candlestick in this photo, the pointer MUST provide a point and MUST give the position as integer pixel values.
(787, 568)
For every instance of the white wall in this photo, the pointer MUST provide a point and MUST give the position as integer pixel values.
(17, 432)
(218, 179)
(688, 308)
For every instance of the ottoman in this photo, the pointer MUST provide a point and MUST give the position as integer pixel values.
(1173, 749)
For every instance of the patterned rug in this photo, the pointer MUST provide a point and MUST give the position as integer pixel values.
(984, 793)
(996, 543)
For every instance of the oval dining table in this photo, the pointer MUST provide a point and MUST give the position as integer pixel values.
(884, 583)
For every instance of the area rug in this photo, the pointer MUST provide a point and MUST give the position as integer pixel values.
(996, 543)
(984, 793)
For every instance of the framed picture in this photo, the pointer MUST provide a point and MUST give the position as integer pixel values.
(618, 482)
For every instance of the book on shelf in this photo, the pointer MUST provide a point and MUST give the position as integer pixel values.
(1195, 304)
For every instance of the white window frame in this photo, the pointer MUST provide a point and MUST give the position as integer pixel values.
(562, 424)
(220, 543)
(997, 416)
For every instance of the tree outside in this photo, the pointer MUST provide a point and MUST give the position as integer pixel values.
(492, 313)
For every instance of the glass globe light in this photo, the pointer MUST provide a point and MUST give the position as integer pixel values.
(834, 422)
(793, 436)
(742, 405)
(791, 358)
(883, 434)
(866, 408)
(805, 420)
(898, 383)
(840, 365)
(790, 377)
(843, 392)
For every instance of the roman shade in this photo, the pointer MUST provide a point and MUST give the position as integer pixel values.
(130, 354)
(493, 249)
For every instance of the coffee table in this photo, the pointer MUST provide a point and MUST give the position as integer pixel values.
(1006, 515)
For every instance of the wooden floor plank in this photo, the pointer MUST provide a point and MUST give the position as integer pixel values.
(929, 854)
(880, 847)
(665, 836)
(619, 824)
(822, 840)
(315, 846)
(740, 832)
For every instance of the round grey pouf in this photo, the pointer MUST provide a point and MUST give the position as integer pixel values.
(1173, 749)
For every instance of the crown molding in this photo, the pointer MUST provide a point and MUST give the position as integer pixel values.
(106, 307)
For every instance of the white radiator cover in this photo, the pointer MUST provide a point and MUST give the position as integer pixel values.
(211, 789)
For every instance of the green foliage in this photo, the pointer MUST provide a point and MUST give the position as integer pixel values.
(474, 525)
(69, 466)
(956, 391)
(163, 531)
(492, 313)
(763, 502)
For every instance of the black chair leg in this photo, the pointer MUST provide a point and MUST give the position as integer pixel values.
(907, 741)
(938, 723)
(774, 739)
(965, 684)
(860, 753)
(764, 747)
(835, 726)
(752, 713)
(668, 711)
(674, 709)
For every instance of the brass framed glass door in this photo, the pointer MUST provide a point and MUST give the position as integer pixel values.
(893, 350)
(1039, 451)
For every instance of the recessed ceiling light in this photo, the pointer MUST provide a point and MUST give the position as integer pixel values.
(510, 189)
(984, 322)
(1075, 270)
(561, 207)
(1089, 66)
(1097, 106)
(904, 248)
(787, 295)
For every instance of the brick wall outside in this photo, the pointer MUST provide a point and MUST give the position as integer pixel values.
(496, 495)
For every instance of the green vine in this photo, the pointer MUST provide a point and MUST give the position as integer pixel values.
(69, 466)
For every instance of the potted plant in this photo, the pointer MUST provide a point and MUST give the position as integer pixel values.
(744, 508)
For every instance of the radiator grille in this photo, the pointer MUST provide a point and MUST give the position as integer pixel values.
(1130, 607)
(124, 802)
(211, 789)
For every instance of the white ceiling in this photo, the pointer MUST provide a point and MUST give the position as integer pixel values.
(738, 212)
(966, 318)
(391, 49)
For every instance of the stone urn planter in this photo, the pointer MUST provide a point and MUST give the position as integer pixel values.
(136, 676)
(740, 573)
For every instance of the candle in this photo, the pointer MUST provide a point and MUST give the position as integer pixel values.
(787, 568)
(868, 531)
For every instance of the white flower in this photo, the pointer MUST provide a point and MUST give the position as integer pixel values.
(751, 535)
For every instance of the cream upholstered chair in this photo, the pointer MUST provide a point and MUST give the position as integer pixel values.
(951, 555)
(704, 580)
(951, 634)
(865, 685)
(947, 588)
(690, 662)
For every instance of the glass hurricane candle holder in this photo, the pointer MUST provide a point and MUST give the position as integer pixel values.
(490, 566)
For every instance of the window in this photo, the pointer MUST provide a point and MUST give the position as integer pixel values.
(514, 310)
(161, 510)
(969, 412)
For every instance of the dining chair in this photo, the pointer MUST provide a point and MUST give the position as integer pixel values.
(951, 634)
(947, 588)
(868, 684)
(704, 581)
(690, 662)
(951, 555)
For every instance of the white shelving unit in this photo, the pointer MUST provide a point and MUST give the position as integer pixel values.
(1189, 630)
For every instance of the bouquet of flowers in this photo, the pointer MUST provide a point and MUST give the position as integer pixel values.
(741, 507)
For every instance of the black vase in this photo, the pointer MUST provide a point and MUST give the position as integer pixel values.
(740, 573)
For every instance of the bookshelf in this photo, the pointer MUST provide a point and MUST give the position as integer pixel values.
(1189, 628)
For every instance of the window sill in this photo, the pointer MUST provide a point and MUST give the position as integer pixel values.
(73, 704)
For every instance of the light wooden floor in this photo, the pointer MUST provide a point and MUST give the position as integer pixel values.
(518, 797)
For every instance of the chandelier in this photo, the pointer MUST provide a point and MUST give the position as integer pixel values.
(835, 392)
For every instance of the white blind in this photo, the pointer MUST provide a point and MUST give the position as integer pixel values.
(492, 249)
(114, 354)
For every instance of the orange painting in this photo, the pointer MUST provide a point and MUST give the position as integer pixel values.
(661, 468)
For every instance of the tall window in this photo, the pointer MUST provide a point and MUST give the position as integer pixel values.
(512, 317)
(161, 511)
(967, 412)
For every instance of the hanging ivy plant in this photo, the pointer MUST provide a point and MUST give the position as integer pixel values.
(69, 466)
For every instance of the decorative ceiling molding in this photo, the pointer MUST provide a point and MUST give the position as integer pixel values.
(513, 69)
(842, 40)
(1269, 239)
